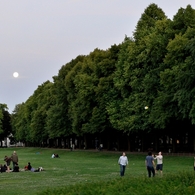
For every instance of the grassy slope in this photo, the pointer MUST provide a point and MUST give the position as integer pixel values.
(77, 167)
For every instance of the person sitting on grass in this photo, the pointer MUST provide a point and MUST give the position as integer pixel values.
(28, 167)
(55, 155)
(16, 168)
(3, 168)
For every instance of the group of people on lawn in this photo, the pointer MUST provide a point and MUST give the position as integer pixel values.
(149, 162)
(123, 162)
(14, 160)
(8, 160)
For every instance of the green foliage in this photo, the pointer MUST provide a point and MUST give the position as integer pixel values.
(147, 21)
(137, 79)
(184, 19)
(58, 121)
(178, 79)
(30, 118)
(5, 121)
(109, 89)
(1, 118)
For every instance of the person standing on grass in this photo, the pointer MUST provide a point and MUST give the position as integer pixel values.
(123, 162)
(159, 166)
(14, 158)
(194, 163)
(149, 162)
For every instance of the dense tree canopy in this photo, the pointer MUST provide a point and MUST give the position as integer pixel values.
(108, 90)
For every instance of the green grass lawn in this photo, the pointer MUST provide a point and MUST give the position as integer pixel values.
(77, 167)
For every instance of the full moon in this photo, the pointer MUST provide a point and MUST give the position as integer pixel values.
(15, 74)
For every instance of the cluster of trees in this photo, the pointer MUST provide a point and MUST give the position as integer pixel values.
(5, 123)
(102, 96)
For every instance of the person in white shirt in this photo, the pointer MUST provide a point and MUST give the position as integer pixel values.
(123, 162)
(159, 165)
(194, 163)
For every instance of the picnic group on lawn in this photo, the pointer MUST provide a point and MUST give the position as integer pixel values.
(15, 167)
(6, 167)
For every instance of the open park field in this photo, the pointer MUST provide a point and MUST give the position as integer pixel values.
(94, 172)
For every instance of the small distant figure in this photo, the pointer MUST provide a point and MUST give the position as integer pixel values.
(72, 147)
(16, 168)
(159, 158)
(194, 163)
(8, 161)
(123, 162)
(28, 167)
(101, 147)
(3, 168)
(14, 158)
(55, 155)
(37, 170)
(149, 162)
(40, 169)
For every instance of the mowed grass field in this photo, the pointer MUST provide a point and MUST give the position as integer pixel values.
(78, 167)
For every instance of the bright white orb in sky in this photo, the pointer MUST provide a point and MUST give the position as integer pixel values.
(15, 74)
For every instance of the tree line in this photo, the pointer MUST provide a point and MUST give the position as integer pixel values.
(136, 95)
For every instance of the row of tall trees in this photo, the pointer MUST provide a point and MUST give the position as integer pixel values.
(102, 96)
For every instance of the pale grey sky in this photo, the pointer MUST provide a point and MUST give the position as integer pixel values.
(37, 37)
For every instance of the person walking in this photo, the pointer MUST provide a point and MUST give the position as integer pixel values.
(149, 162)
(123, 162)
(14, 158)
(159, 158)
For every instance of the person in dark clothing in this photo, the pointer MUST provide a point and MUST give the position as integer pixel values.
(8, 161)
(16, 168)
(14, 158)
(150, 164)
(3, 168)
(29, 166)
